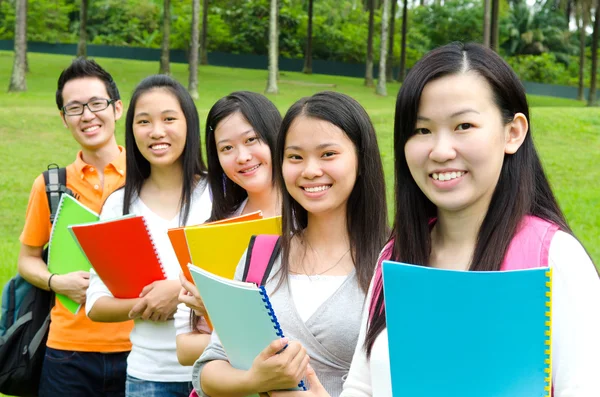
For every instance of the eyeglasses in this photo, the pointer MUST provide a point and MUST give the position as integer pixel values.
(95, 105)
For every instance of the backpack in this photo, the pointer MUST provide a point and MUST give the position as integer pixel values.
(25, 314)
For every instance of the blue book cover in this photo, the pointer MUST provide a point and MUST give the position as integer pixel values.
(468, 334)
(240, 313)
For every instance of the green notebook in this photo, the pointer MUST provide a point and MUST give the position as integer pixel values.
(64, 255)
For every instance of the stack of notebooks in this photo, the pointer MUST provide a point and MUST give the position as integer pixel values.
(468, 334)
(218, 246)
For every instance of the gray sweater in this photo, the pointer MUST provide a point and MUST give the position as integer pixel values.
(329, 335)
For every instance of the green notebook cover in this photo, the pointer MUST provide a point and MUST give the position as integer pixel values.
(64, 255)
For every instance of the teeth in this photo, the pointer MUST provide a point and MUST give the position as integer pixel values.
(446, 176)
(250, 169)
(160, 147)
(92, 128)
(317, 188)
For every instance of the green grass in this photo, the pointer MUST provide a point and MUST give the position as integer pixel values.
(33, 136)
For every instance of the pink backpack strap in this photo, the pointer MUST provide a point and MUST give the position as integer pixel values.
(193, 393)
(530, 246)
(262, 252)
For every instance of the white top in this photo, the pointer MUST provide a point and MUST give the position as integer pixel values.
(309, 293)
(182, 316)
(153, 355)
(575, 331)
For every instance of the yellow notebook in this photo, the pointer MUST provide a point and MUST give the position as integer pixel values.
(218, 248)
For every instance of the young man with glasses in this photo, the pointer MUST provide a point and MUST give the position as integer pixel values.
(82, 357)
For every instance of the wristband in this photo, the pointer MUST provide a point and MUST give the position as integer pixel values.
(49, 280)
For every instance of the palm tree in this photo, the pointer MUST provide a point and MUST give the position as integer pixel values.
(82, 45)
(390, 60)
(592, 94)
(582, 16)
(164, 49)
(494, 25)
(369, 71)
(381, 88)
(402, 69)
(17, 79)
(273, 50)
(487, 22)
(193, 61)
(308, 54)
(203, 49)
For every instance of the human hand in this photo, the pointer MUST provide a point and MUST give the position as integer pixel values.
(158, 301)
(315, 388)
(273, 371)
(73, 285)
(190, 296)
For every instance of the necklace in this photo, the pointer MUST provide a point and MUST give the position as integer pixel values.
(324, 271)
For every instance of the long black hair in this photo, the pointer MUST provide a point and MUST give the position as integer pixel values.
(264, 118)
(138, 168)
(366, 213)
(522, 188)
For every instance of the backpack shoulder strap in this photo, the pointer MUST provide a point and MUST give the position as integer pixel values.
(55, 179)
(262, 252)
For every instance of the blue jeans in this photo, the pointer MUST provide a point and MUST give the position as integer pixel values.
(145, 388)
(69, 373)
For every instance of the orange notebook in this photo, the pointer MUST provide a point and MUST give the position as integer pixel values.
(122, 252)
(179, 241)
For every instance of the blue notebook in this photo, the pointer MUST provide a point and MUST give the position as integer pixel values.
(241, 314)
(468, 334)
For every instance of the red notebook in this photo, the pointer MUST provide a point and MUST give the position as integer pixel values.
(122, 252)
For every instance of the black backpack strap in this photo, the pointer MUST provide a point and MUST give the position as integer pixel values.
(55, 179)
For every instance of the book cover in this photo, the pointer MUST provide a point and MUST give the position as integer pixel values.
(241, 314)
(122, 252)
(218, 248)
(468, 334)
(179, 242)
(64, 255)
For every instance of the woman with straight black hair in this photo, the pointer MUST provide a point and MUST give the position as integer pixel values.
(334, 226)
(167, 185)
(471, 195)
(241, 133)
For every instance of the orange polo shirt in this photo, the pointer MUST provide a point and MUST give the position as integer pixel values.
(76, 332)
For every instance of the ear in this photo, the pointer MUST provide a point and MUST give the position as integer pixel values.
(63, 118)
(118, 109)
(515, 133)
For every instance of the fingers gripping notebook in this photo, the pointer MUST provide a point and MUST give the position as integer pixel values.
(241, 314)
(468, 334)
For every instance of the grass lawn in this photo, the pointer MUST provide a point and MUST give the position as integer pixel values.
(33, 136)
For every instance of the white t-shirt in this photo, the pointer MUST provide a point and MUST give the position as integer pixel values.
(575, 331)
(309, 293)
(153, 355)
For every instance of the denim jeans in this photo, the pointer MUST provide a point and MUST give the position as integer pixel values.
(145, 388)
(69, 373)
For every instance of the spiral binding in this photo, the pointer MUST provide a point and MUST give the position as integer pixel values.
(156, 254)
(548, 334)
(276, 325)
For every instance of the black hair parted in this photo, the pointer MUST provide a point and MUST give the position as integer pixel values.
(138, 168)
(81, 68)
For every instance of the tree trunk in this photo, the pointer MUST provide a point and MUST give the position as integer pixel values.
(486, 22)
(568, 11)
(402, 69)
(164, 50)
(194, 42)
(273, 50)
(369, 71)
(385, 18)
(582, 22)
(203, 49)
(389, 74)
(592, 95)
(494, 28)
(17, 79)
(308, 54)
(82, 46)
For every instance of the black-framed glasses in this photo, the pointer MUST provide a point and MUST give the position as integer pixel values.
(95, 105)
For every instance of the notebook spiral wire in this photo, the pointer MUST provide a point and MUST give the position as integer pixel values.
(548, 336)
